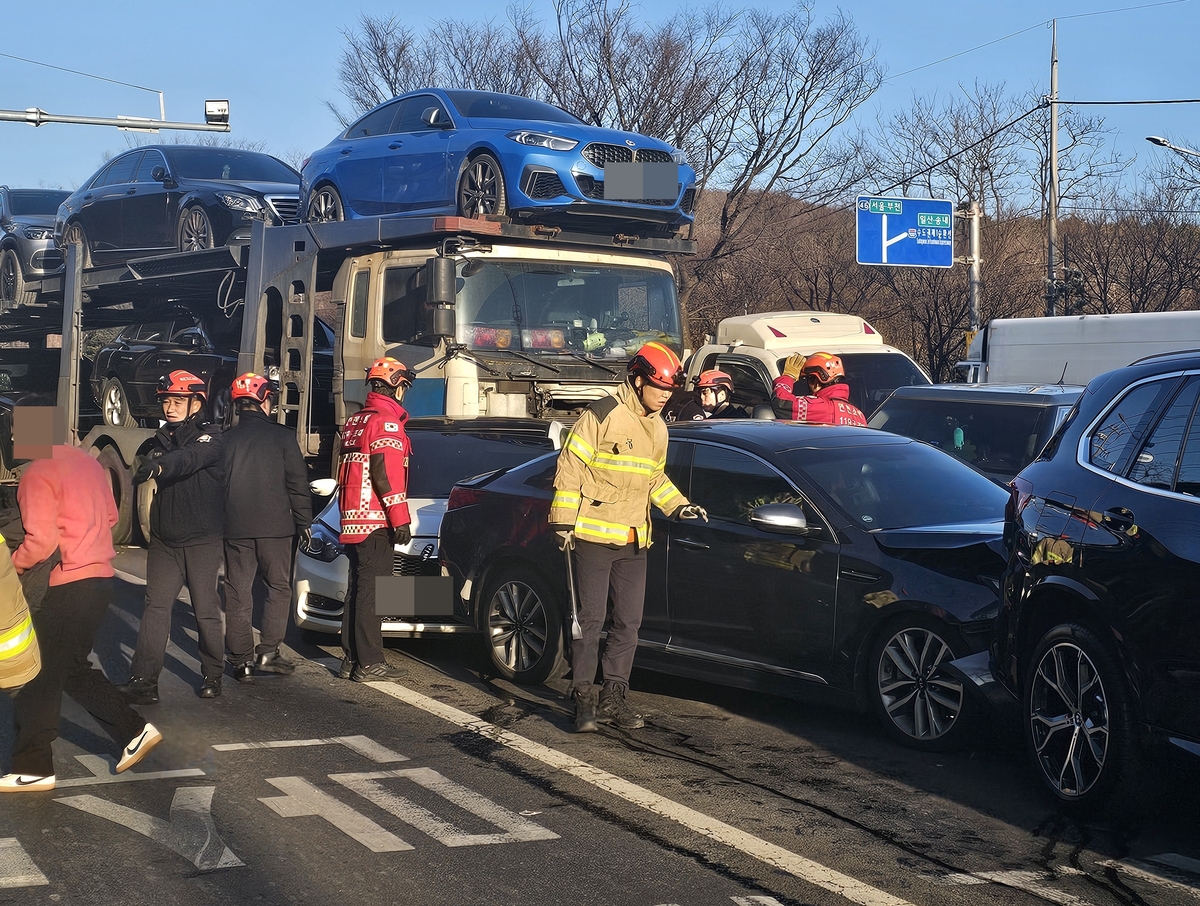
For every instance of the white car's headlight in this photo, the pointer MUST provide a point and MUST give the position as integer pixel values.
(542, 140)
(320, 544)
(38, 232)
(239, 202)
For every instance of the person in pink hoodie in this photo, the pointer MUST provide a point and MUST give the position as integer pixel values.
(67, 505)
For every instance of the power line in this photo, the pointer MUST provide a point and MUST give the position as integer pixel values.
(1121, 103)
(77, 72)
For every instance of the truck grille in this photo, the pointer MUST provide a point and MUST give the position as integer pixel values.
(285, 207)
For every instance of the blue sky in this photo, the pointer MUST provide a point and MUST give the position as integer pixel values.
(276, 63)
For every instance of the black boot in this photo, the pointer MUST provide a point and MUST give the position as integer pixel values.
(274, 662)
(140, 691)
(244, 673)
(210, 687)
(616, 710)
(585, 709)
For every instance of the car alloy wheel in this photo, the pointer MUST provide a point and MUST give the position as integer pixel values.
(481, 188)
(523, 626)
(116, 405)
(918, 701)
(12, 281)
(195, 230)
(74, 234)
(325, 206)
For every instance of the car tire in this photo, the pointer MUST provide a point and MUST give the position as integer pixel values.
(12, 281)
(522, 623)
(1059, 715)
(325, 206)
(917, 702)
(74, 232)
(114, 405)
(195, 231)
(481, 188)
(120, 479)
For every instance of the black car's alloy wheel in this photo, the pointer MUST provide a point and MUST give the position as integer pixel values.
(115, 405)
(1079, 724)
(917, 700)
(325, 206)
(195, 230)
(74, 233)
(12, 280)
(481, 188)
(523, 626)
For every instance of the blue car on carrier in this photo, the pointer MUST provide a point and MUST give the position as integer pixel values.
(478, 153)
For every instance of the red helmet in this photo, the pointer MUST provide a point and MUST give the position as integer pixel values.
(658, 365)
(714, 379)
(252, 386)
(390, 371)
(825, 367)
(181, 383)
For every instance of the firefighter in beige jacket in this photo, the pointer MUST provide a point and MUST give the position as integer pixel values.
(20, 659)
(610, 470)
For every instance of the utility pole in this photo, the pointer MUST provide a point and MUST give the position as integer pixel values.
(975, 266)
(1052, 209)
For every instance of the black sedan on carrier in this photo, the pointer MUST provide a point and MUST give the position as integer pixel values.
(841, 563)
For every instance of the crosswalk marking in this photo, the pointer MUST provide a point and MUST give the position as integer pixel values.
(16, 868)
(1168, 870)
(303, 800)
(102, 768)
(363, 745)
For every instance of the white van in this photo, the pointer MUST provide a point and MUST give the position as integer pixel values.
(753, 348)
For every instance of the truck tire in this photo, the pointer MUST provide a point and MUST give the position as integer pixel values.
(121, 481)
(12, 281)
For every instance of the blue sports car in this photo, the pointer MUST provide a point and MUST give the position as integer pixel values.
(475, 153)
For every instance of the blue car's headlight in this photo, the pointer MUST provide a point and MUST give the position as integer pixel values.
(38, 233)
(542, 140)
(239, 202)
(321, 544)
(680, 158)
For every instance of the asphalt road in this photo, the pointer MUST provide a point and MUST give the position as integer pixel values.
(452, 788)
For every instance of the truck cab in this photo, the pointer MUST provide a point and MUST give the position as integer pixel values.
(753, 348)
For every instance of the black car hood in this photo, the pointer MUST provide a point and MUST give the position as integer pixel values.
(259, 188)
(967, 551)
(24, 220)
(941, 537)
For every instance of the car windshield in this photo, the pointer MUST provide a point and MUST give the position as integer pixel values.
(229, 165)
(994, 437)
(899, 485)
(40, 201)
(486, 105)
(873, 376)
(439, 459)
(597, 310)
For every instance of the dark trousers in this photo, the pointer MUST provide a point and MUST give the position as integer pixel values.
(66, 621)
(168, 569)
(362, 640)
(245, 558)
(599, 570)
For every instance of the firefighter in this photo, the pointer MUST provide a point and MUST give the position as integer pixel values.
(610, 469)
(715, 389)
(187, 527)
(373, 496)
(266, 505)
(814, 390)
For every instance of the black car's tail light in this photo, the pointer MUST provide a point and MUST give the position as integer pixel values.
(461, 497)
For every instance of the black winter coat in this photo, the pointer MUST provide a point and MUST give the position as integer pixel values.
(267, 493)
(189, 506)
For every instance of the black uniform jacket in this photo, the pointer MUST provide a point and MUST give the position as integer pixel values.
(189, 506)
(267, 494)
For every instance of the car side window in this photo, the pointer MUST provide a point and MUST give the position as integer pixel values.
(122, 169)
(150, 160)
(409, 119)
(1188, 479)
(749, 390)
(182, 325)
(378, 122)
(154, 331)
(679, 462)
(730, 484)
(1157, 460)
(1123, 424)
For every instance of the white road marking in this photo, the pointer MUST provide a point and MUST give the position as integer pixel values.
(756, 901)
(303, 800)
(518, 829)
(1034, 882)
(103, 766)
(769, 853)
(1167, 870)
(190, 832)
(363, 745)
(16, 868)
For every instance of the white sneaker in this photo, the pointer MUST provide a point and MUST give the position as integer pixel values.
(139, 748)
(26, 783)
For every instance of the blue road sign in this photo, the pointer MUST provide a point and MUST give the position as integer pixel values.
(905, 232)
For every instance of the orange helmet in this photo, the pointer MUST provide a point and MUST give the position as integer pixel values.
(181, 383)
(658, 365)
(390, 371)
(714, 379)
(824, 367)
(252, 386)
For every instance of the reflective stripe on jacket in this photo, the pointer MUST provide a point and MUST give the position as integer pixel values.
(610, 470)
(20, 659)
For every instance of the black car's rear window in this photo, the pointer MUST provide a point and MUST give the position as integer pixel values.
(439, 459)
(486, 105)
(899, 485)
(39, 201)
(994, 437)
(230, 165)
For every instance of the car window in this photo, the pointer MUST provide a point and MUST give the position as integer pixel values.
(409, 119)
(749, 388)
(229, 165)
(440, 459)
(154, 331)
(34, 201)
(873, 376)
(1158, 457)
(678, 469)
(730, 484)
(120, 170)
(377, 122)
(1188, 480)
(145, 170)
(487, 105)
(1120, 427)
(181, 325)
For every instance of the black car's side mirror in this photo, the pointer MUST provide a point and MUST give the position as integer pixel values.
(780, 518)
(192, 339)
(159, 174)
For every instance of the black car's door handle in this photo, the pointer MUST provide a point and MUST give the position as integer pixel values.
(688, 542)
(396, 144)
(1118, 518)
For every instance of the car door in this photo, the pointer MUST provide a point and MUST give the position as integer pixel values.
(101, 212)
(743, 597)
(148, 362)
(415, 177)
(148, 225)
(363, 155)
(1150, 565)
(656, 616)
(751, 384)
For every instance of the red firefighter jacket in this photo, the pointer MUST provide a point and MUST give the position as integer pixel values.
(373, 473)
(829, 406)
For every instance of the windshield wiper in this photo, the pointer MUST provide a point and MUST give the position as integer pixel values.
(583, 358)
(529, 358)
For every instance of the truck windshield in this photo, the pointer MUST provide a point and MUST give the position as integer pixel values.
(603, 311)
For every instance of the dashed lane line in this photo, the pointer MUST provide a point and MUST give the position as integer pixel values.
(776, 856)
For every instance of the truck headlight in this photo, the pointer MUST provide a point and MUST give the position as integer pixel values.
(542, 140)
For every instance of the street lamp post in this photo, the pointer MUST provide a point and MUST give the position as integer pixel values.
(1163, 143)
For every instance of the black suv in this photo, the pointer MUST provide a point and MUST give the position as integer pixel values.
(1099, 630)
(27, 251)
